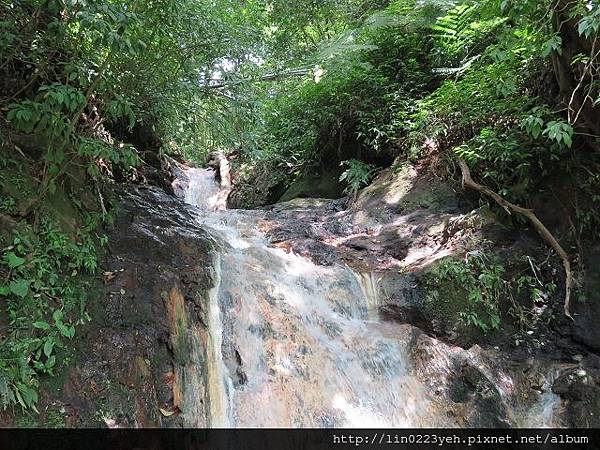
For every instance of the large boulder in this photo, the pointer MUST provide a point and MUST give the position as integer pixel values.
(141, 360)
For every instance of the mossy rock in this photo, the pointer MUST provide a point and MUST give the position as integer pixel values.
(447, 302)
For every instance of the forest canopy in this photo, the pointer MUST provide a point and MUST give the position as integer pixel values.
(248, 74)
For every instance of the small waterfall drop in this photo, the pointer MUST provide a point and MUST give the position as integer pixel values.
(544, 413)
(203, 190)
(218, 385)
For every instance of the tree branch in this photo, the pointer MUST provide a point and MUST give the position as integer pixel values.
(467, 181)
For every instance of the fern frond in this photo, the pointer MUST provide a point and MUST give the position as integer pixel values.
(463, 28)
(454, 25)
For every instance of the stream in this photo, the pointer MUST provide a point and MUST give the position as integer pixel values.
(309, 352)
(296, 344)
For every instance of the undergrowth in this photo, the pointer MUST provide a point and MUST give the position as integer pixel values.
(47, 262)
(484, 293)
(45, 301)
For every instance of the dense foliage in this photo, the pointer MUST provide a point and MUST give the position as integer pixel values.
(397, 82)
(89, 87)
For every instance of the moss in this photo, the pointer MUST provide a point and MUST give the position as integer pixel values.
(182, 347)
(117, 402)
(320, 185)
(407, 189)
(178, 324)
(51, 386)
(17, 183)
(444, 302)
(431, 195)
(445, 299)
(464, 297)
(62, 210)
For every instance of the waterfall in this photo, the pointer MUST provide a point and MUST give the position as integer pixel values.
(218, 381)
(203, 190)
(368, 283)
(293, 343)
(543, 414)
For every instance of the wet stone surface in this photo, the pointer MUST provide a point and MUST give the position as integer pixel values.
(305, 313)
(131, 359)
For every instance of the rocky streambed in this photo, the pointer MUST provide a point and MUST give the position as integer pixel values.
(312, 313)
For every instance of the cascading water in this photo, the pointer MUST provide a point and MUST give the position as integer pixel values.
(296, 344)
(218, 385)
(292, 343)
(202, 190)
(544, 413)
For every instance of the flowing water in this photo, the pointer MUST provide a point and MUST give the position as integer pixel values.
(544, 414)
(203, 191)
(295, 344)
(302, 344)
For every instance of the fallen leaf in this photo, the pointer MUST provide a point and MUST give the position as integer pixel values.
(166, 413)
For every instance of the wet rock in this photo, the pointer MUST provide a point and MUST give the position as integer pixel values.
(392, 236)
(235, 365)
(587, 312)
(482, 387)
(320, 185)
(579, 387)
(409, 315)
(292, 325)
(405, 219)
(143, 350)
(486, 409)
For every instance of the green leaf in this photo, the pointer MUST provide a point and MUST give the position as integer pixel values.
(19, 287)
(14, 261)
(48, 347)
(29, 395)
(57, 316)
(554, 44)
(20, 400)
(41, 325)
(52, 187)
(51, 362)
(66, 331)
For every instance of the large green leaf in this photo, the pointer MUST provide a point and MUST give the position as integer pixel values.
(14, 261)
(19, 287)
